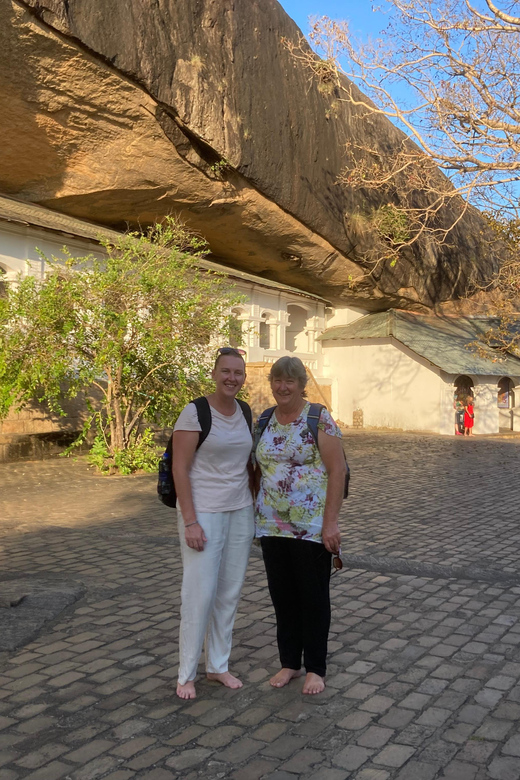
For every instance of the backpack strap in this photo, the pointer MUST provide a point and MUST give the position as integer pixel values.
(262, 423)
(313, 418)
(246, 411)
(204, 416)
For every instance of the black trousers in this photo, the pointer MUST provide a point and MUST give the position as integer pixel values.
(298, 574)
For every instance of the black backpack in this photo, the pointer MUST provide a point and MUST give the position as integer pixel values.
(165, 484)
(313, 418)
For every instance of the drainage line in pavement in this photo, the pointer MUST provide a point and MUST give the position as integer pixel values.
(389, 564)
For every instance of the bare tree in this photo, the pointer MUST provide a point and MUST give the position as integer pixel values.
(447, 72)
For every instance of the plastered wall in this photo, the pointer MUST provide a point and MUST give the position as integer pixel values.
(274, 307)
(392, 388)
(20, 248)
(386, 385)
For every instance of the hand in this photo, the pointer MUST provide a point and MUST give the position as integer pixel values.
(331, 537)
(195, 537)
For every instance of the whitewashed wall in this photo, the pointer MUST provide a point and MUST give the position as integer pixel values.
(19, 245)
(274, 307)
(343, 316)
(394, 387)
(446, 409)
(20, 248)
(486, 410)
(485, 390)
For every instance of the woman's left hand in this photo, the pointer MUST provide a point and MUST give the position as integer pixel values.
(331, 537)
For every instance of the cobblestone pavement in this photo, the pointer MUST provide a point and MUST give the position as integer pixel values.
(424, 670)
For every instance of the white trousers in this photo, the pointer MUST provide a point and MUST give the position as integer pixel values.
(211, 585)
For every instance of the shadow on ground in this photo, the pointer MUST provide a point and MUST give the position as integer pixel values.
(424, 673)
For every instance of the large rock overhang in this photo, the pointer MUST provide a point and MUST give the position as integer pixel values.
(121, 114)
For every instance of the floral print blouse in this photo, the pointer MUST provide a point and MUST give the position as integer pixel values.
(293, 487)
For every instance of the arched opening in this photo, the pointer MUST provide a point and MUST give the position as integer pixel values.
(235, 328)
(505, 403)
(296, 339)
(265, 331)
(463, 389)
(506, 393)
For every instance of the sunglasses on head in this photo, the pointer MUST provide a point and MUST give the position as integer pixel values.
(231, 351)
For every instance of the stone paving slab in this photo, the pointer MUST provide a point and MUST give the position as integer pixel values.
(424, 671)
(37, 601)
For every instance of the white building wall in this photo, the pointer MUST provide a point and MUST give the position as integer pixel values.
(487, 414)
(447, 410)
(486, 410)
(393, 387)
(343, 316)
(276, 304)
(20, 248)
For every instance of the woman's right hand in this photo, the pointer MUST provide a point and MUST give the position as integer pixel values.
(331, 537)
(195, 537)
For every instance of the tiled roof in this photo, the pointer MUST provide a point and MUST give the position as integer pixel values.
(443, 341)
(25, 213)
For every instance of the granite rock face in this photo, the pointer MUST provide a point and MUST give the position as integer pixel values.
(123, 112)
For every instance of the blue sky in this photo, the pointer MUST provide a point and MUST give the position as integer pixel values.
(363, 21)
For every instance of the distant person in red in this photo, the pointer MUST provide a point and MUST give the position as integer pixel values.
(469, 416)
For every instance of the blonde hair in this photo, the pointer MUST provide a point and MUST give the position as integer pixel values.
(288, 367)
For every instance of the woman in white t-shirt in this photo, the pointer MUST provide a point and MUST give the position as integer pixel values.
(216, 524)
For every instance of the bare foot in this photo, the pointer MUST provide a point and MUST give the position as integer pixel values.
(313, 683)
(284, 676)
(226, 679)
(186, 691)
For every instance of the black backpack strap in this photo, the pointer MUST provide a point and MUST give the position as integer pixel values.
(263, 420)
(204, 415)
(169, 447)
(262, 423)
(313, 418)
(165, 484)
(246, 411)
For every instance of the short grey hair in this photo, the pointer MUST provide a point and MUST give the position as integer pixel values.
(288, 367)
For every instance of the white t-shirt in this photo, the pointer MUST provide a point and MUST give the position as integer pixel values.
(218, 475)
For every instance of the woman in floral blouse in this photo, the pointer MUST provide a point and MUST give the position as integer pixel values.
(297, 506)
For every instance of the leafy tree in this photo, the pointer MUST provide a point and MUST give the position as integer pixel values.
(139, 326)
